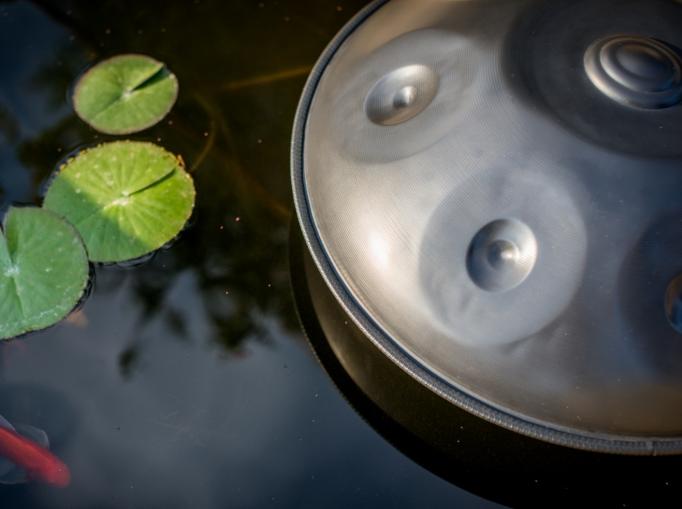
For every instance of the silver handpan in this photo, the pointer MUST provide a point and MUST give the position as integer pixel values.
(493, 192)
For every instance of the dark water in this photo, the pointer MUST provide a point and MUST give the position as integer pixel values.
(186, 381)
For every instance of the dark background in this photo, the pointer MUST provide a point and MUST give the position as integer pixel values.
(186, 381)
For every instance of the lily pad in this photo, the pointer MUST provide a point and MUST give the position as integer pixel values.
(126, 198)
(43, 270)
(125, 94)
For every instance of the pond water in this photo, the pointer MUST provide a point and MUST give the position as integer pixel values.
(186, 381)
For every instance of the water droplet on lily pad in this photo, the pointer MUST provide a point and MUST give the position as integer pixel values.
(32, 297)
(131, 198)
(125, 94)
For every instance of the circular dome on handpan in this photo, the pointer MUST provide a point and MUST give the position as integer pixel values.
(491, 190)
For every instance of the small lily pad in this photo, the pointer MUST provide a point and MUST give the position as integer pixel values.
(43, 270)
(125, 94)
(126, 198)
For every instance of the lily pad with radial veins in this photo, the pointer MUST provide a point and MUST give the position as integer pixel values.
(125, 94)
(43, 270)
(126, 198)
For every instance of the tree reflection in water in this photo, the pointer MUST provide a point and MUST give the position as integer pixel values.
(238, 92)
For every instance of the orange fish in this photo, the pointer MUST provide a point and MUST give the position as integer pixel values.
(37, 461)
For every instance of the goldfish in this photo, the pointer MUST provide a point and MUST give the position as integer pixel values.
(24, 456)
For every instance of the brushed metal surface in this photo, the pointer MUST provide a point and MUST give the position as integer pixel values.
(516, 253)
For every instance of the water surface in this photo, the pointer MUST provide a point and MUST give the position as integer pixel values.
(185, 381)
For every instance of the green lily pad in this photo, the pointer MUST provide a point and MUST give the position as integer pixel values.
(43, 270)
(125, 94)
(126, 198)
